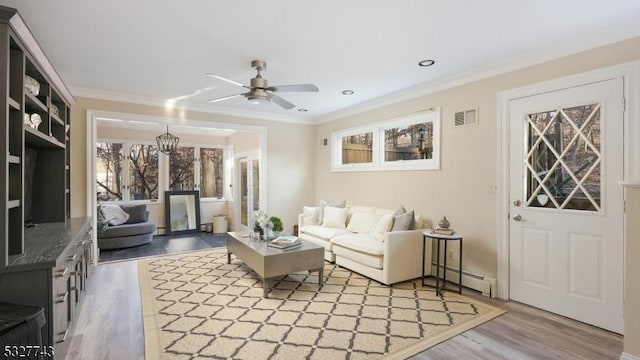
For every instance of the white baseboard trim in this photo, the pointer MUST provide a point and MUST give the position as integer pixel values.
(485, 284)
(627, 356)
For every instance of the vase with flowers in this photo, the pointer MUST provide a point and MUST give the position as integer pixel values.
(266, 226)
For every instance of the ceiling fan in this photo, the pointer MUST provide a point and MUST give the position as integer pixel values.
(259, 92)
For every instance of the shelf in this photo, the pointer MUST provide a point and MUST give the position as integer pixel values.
(13, 104)
(57, 119)
(34, 100)
(13, 159)
(13, 204)
(38, 139)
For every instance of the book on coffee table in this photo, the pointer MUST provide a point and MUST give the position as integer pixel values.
(285, 242)
(444, 231)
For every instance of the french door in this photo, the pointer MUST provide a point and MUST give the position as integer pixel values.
(249, 176)
(566, 211)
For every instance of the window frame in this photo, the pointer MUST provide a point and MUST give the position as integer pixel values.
(379, 163)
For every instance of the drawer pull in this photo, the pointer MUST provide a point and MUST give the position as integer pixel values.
(64, 336)
(63, 298)
(62, 273)
(73, 258)
(82, 243)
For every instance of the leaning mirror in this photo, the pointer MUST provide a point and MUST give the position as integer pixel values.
(182, 212)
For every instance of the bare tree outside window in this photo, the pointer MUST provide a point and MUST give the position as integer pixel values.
(143, 172)
(211, 173)
(109, 171)
(181, 169)
(412, 142)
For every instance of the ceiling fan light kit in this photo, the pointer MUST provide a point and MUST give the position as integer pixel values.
(260, 92)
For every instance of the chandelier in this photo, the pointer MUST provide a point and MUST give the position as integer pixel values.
(167, 143)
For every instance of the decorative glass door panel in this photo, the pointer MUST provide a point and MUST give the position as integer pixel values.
(563, 158)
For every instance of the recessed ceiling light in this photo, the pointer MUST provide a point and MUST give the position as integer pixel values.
(302, 110)
(426, 63)
(347, 92)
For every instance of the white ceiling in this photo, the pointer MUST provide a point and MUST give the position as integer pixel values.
(157, 50)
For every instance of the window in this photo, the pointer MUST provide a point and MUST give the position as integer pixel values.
(143, 174)
(182, 169)
(211, 173)
(126, 178)
(407, 143)
(357, 149)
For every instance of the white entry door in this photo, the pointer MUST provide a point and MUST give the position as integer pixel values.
(566, 211)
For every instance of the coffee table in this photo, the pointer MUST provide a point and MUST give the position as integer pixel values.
(269, 263)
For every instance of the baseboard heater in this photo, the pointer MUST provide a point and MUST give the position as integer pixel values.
(485, 284)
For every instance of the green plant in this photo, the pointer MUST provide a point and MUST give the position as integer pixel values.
(277, 223)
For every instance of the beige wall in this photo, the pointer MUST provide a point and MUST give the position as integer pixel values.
(463, 189)
(290, 160)
(632, 269)
(244, 142)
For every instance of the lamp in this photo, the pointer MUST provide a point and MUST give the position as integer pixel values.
(167, 143)
(258, 96)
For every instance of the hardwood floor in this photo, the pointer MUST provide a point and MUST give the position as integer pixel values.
(110, 327)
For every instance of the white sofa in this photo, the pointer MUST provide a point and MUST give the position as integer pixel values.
(365, 243)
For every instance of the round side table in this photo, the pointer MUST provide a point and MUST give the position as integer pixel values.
(439, 238)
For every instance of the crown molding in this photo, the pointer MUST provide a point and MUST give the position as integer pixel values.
(496, 69)
(99, 94)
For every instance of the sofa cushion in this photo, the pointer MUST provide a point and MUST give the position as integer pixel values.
(324, 204)
(403, 222)
(114, 215)
(361, 222)
(334, 217)
(137, 213)
(372, 261)
(382, 226)
(379, 212)
(127, 230)
(310, 214)
(323, 232)
(365, 243)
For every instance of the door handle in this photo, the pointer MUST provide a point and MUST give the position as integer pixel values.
(517, 217)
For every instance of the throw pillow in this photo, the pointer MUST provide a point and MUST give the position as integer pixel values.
(361, 222)
(401, 210)
(102, 223)
(403, 222)
(114, 215)
(334, 217)
(382, 226)
(137, 213)
(324, 204)
(310, 215)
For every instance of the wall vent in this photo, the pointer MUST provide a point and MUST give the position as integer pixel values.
(467, 117)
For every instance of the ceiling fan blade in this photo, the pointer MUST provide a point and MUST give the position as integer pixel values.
(227, 80)
(282, 102)
(226, 97)
(297, 87)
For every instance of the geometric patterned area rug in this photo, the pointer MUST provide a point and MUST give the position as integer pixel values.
(196, 306)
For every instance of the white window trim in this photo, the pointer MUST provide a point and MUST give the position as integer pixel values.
(378, 163)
